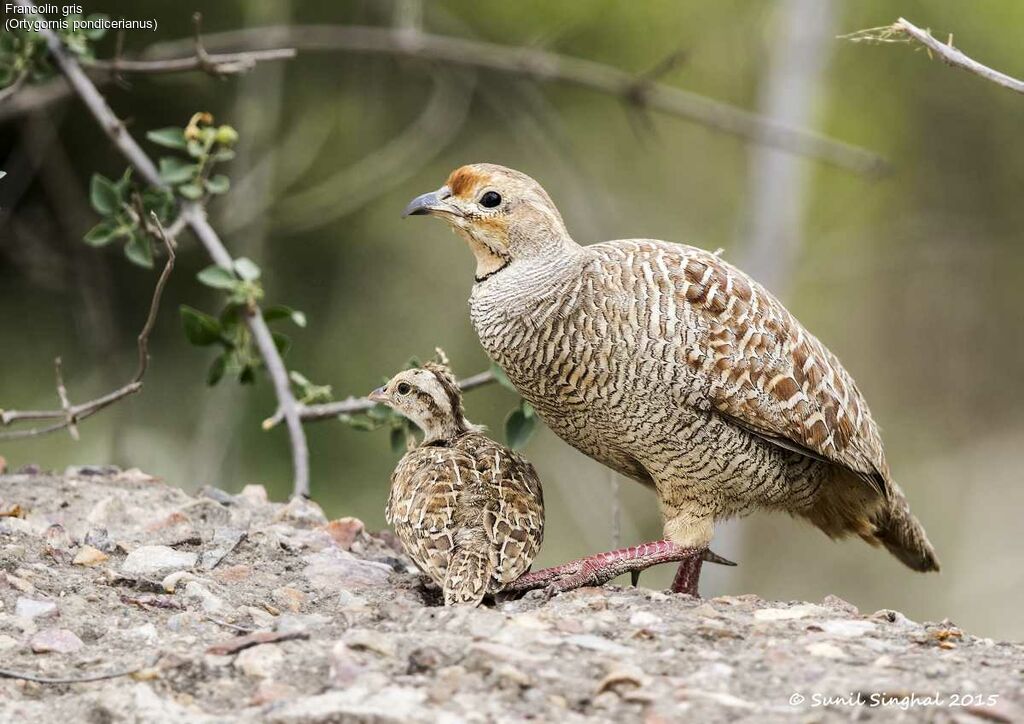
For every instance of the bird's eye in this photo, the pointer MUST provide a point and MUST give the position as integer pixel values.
(404, 388)
(490, 199)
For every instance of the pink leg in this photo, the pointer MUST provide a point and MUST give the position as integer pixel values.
(600, 568)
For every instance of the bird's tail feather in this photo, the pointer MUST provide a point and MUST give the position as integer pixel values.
(468, 577)
(903, 535)
(848, 506)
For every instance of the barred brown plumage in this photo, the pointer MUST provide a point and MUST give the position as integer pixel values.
(676, 369)
(468, 511)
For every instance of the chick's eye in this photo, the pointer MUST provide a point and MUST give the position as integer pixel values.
(490, 199)
(404, 388)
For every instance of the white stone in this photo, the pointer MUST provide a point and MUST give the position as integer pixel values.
(788, 614)
(210, 602)
(847, 628)
(260, 662)
(31, 608)
(644, 619)
(151, 560)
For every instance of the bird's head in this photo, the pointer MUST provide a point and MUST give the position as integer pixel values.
(504, 215)
(430, 397)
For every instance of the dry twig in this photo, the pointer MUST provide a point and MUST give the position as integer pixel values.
(70, 415)
(194, 216)
(355, 405)
(904, 31)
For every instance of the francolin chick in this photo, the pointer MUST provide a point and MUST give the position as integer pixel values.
(676, 369)
(468, 511)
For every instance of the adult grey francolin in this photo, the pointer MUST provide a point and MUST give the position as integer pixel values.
(675, 369)
(467, 510)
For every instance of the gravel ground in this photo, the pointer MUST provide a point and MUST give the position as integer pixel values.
(223, 608)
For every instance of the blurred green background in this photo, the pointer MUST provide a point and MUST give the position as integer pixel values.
(913, 279)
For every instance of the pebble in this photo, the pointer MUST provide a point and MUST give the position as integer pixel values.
(210, 602)
(303, 512)
(260, 662)
(254, 495)
(846, 628)
(826, 650)
(31, 608)
(224, 541)
(151, 560)
(344, 531)
(171, 580)
(8, 642)
(597, 643)
(644, 619)
(89, 556)
(788, 614)
(288, 598)
(332, 569)
(55, 640)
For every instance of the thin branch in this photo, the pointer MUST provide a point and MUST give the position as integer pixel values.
(213, 63)
(355, 405)
(195, 217)
(70, 415)
(547, 66)
(904, 31)
(14, 87)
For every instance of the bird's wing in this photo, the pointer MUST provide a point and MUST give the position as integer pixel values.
(512, 505)
(423, 505)
(759, 366)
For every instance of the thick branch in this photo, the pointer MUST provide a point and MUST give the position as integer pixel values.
(546, 66)
(355, 405)
(70, 415)
(195, 218)
(905, 31)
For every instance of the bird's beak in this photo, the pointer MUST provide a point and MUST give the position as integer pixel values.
(432, 203)
(378, 395)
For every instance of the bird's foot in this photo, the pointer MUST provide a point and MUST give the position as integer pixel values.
(598, 569)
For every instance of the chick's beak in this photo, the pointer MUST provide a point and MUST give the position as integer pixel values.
(435, 201)
(378, 395)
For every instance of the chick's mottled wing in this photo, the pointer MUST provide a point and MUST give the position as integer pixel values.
(512, 507)
(759, 367)
(423, 505)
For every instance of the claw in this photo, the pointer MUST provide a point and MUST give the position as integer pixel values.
(634, 577)
(710, 557)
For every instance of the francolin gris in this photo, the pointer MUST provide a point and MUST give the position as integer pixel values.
(676, 369)
(468, 511)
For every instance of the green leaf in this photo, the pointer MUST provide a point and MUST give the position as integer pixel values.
(103, 195)
(299, 379)
(217, 277)
(224, 154)
(518, 427)
(169, 138)
(102, 234)
(216, 371)
(2, 174)
(192, 192)
(201, 329)
(139, 251)
(246, 268)
(247, 376)
(280, 311)
(502, 378)
(282, 342)
(175, 171)
(195, 148)
(218, 184)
